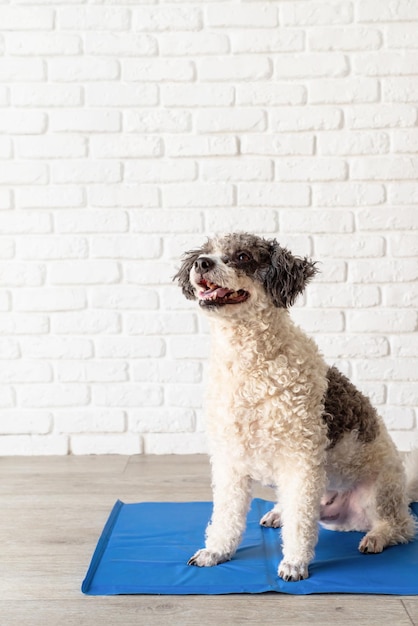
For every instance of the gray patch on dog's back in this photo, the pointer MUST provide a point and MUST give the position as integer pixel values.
(347, 409)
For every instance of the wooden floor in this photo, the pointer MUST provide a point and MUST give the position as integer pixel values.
(52, 512)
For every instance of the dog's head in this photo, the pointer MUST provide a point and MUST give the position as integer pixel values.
(241, 270)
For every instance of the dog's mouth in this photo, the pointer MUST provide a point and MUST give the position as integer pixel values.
(215, 295)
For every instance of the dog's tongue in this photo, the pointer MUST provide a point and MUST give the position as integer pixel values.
(219, 292)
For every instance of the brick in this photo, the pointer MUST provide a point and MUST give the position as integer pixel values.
(124, 297)
(127, 395)
(49, 299)
(368, 116)
(384, 270)
(128, 195)
(353, 143)
(90, 221)
(179, 348)
(7, 396)
(268, 41)
(388, 369)
(26, 18)
(184, 396)
(348, 194)
(84, 272)
(249, 16)
(260, 220)
(402, 394)
(158, 171)
(85, 172)
(126, 444)
(83, 69)
(161, 324)
(372, 11)
(384, 168)
(314, 169)
(271, 94)
(174, 95)
(165, 18)
(404, 345)
(23, 174)
(385, 218)
(130, 347)
(203, 145)
(401, 35)
(22, 371)
(21, 274)
(353, 346)
(121, 95)
(403, 244)
(404, 193)
(306, 119)
(398, 417)
(33, 445)
(148, 272)
(344, 91)
(120, 44)
(19, 222)
(345, 39)
(5, 153)
(313, 221)
(273, 195)
(56, 348)
(314, 65)
(85, 121)
(175, 443)
(48, 198)
(317, 321)
(85, 323)
(234, 68)
(21, 324)
(125, 147)
(155, 70)
(386, 63)
(79, 18)
(7, 249)
(51, 147)
(157, 121)
(22, 122)
(190, 43)
(405, 141)
(402, 295)
(167, 372)
(53, 395)
(238, 170)
(48, 44)
(89, 421)
(230, 120)
(198, 195)
(126, 247)
(9, 348)
(280, 145)
(400, 89)
(316, 13)
(25, 423)
(91, 372)
(348, 247)
(381, 320)
(172, 420)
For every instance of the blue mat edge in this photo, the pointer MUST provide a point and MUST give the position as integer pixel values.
(286, 588)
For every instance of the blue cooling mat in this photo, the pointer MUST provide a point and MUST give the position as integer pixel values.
(144, 549)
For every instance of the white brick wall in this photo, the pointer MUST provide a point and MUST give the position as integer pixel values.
(128, 132)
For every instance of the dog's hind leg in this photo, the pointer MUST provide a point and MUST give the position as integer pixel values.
(231, 501)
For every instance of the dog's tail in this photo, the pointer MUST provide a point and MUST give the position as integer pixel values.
(411, 469)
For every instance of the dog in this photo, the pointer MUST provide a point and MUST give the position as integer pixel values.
(278, 414)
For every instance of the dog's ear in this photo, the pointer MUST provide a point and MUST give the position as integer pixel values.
(183, 275)
(287, 275)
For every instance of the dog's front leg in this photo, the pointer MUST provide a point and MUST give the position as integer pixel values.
(301, 496)
(231, 499)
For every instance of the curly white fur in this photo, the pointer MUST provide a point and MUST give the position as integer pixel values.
(265, 418)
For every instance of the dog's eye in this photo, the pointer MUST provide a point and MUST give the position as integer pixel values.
(243, 257)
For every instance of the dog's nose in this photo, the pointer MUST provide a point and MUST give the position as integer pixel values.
(204, 264)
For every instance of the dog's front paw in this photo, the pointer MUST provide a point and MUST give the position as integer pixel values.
(292, 572)
(205, 558)
(272, 519)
